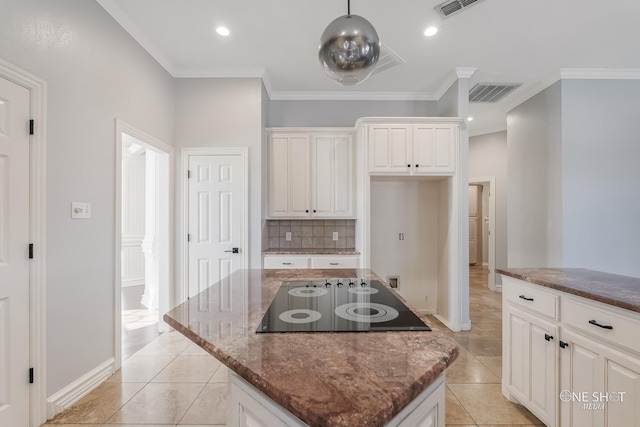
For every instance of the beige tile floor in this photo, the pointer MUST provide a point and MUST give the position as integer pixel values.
(172, 382)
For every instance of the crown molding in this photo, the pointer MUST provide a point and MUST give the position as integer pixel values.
(579, 73)
(530, 91)
(221, 72)
(138, 35)
(465, 72)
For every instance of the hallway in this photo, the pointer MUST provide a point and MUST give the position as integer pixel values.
(173, 382)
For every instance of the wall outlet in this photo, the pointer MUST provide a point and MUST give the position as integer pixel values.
(335, 235)
(393, 282)
(288, 236)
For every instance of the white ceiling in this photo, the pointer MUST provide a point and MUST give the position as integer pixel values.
(522, 41)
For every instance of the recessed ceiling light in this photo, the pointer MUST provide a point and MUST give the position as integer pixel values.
(431, 31)
(223, 31)
(470, 119)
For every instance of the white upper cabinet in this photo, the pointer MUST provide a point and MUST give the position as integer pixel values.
(412, 149)
(311, 174)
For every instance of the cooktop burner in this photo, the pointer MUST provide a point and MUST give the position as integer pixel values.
(338, 305)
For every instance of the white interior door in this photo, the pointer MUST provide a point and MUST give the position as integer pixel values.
(14, 263)
(215, 219)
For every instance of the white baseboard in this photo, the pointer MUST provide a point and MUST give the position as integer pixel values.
(446, 323)
(75, 391)
(427, 311)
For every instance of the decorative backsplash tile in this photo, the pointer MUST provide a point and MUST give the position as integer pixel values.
(311, 233)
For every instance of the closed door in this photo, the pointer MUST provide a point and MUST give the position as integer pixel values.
(216, 219)
(14, 263)
(475, 230)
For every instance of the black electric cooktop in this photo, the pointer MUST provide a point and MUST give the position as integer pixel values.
(338, 305)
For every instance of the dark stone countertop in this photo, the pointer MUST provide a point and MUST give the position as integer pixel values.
(325, 379)
(612, 289)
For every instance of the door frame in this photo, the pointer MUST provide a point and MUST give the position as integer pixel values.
(120, 128)
(37, 233)
(186, 152)
(491, 181)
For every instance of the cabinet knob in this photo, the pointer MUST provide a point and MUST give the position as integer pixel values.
(307, 211)
(564, 344)
(314, 211)
(408, 166)
(417, 165)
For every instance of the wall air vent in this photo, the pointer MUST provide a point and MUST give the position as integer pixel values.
(388, 59)
(491, 92)
(450, 7)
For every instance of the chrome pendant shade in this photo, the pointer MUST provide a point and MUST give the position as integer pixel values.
(349, 49)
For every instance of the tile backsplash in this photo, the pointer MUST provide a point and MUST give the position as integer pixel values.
(311, 233)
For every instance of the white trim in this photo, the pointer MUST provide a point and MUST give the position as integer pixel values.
(491, 180)
(413, 120)
(465, 72)
(37, 231)
(183, 287)
(120, 128)
(531, 91)
(75, 391)
(477, 131)
(352, 96)
(597, 74)
(310, 129)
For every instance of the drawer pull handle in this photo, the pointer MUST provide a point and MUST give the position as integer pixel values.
(525, 298)
(286, 263)
(548, 337)
(594, 323)
(333, 263)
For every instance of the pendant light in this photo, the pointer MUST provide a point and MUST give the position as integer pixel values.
(349, 49)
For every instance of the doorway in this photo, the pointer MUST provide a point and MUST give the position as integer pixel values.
(143, 243)
(486, 250)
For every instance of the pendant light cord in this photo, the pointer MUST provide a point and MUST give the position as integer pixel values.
(348, 7)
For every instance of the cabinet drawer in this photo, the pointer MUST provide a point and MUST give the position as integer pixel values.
(531, 297)
(615, 327)
(334, 262)
(285, 262)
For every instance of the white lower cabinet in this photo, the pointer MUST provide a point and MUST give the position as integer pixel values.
(587, 375)
(248, 407)
(530, 365)
(310, 261)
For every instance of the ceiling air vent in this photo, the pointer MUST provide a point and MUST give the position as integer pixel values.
(448, 8)
(491, 92)
(388, 59)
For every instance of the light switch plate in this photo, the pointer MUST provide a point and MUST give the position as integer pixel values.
(288, 236)
(80, 210)
(335, 235)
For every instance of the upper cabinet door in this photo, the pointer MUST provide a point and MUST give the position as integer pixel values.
(390, 149)
(289, 176)
(433, 148)
(332, 170)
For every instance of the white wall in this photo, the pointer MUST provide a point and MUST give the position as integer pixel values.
(448, 103)
(601, 175)
(224, 113)
(95, 72)
(534, 181)
(488, 157)
(409, 207)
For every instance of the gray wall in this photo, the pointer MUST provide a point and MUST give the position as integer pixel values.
(95, 72)
(225, 113)
(534, 181)
(488, 157)
(343, 113)
(601, 175)
(448, 103)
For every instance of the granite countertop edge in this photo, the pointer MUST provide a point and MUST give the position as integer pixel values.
(612, 289)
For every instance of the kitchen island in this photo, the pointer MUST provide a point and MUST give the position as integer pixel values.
(318, 379)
